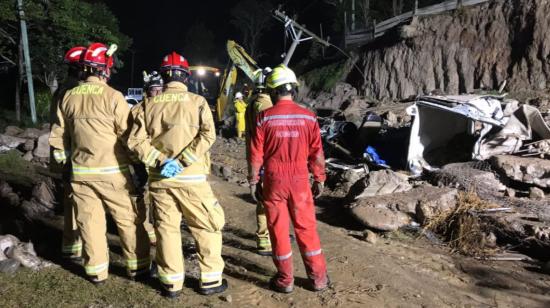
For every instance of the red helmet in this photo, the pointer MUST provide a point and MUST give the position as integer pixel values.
(98, 56)
(174, 61)
(73, 56)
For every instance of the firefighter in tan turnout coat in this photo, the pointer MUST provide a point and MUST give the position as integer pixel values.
(90, 133)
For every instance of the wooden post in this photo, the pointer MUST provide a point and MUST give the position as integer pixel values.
(415, 10)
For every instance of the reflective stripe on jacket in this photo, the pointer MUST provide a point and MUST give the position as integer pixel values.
(287, 142)
(92, 121)
(174, 124)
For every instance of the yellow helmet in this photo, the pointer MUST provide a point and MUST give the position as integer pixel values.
(281, 75)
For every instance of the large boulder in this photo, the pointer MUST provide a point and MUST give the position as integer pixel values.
(531, 171)
(10, 142)
(380, 182)
(42, 149)
(31, 133)
(392, 211)
(13, 131)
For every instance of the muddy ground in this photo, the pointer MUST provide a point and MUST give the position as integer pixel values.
(399, 270)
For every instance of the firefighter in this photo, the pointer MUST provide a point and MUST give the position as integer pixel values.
(71, 245)
(153, 85)
(287, 143)
(259, 102)
(172, 134)
(240, 108)
(92, 125)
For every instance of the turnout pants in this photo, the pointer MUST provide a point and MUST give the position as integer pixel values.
(92, 199)
(262, 232)
(72, 244)
(205, 217)
(289, 198)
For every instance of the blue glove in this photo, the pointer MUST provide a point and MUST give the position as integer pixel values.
(171, 168)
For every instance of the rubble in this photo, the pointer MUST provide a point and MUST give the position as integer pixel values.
(536, 193)
(42, 149)
(380, 182)
(10, 142)
(18, 253)
(530, 171)
(392, 211)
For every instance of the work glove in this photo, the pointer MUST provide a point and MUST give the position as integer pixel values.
(317, 189)
(256, 192)
(171, 168)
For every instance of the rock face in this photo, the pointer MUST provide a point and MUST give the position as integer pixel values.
(532, 171)
(390, 212)
(457, 52)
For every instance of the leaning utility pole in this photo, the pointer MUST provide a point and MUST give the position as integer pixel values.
(27, 56)
(291, 26)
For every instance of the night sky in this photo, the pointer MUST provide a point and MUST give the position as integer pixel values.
(158, 27)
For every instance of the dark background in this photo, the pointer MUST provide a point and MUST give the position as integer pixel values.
(159, 27)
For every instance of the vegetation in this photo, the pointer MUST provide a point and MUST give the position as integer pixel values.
(325, 78)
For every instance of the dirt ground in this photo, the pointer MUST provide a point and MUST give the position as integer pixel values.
(397, 271)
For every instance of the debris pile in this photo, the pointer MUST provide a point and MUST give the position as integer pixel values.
(31, 142)
(14, 254)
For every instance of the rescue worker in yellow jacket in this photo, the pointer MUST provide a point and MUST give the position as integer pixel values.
(93, 120)
(71, 244)
(240, 109)
(172, 134)
(259, 102)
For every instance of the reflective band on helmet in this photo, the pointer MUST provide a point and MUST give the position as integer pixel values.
(312, 253)
(94, 270)
(285, 257)
(152, 157)
(168, 279)
(80, 170)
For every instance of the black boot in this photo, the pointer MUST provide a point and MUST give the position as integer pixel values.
(219, 289)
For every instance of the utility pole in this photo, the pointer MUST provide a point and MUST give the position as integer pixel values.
(27, 56)
(291, 26)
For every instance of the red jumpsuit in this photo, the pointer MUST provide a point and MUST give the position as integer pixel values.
(288, 144)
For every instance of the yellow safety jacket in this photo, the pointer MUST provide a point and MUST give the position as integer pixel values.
(240, 108)
(175, 124)
(259, 103)
(92, 121)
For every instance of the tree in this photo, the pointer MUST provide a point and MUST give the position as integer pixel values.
(252, 18)
(54, 27)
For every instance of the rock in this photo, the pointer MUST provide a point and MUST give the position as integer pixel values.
(380, 218)
(370, 237)
(380, 182)
(43, 193)
(536, 193)
(391, 119)
(34, 210)
(510, 192)
(45, 127)
(227, 298)
(458, 53)
(532, 171)
(392, 211)
(227, 172)
(31, 133)
(216, 169)
(42, 147)
(28, 156)
(9, 266)
(13, 131)
(28, 145)
(9, 142)
(8, 241)
(26, 259)
(467, 177)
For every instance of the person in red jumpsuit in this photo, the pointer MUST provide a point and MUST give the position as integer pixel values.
(287, 144)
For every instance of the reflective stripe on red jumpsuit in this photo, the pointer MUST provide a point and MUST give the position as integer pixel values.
(288, 144)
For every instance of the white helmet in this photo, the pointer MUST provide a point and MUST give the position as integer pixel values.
(239, 95)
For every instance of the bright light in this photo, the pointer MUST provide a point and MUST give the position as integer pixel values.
(217, 74)
(201, 72)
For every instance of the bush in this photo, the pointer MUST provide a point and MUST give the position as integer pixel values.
(326, 77)
(43, 100)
